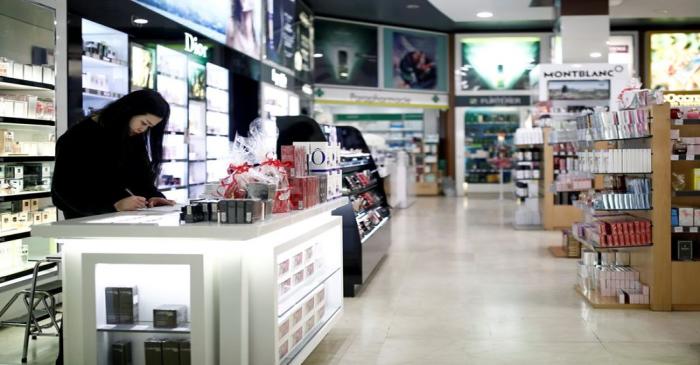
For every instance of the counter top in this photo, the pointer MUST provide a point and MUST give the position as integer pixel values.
(164, 223)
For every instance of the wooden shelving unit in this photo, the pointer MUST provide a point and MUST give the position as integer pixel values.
(554, 216)
(598, 301)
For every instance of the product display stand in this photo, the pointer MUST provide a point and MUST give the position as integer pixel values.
(554, 216)
(263, 293)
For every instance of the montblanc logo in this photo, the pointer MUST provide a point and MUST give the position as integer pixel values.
(585, 73)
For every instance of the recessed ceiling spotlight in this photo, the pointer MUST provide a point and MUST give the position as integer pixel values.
(318, 55)
(596, 55)
(412, 6)
(139, 20)
(484, 14)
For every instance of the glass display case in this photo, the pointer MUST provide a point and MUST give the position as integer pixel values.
(489, 143)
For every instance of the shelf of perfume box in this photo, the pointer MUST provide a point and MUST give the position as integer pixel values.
(622, 173)
(685, 121)
(91, 61)
(24, 272)
(680, 229)
(685, 157)
(198, 160)
(217, 135)
(355, 155)
(571, 190)
(9, 83)
(374, 230)
(169, 188)
(598, 301)
(528, 146)
(355, 168)
(572, 154)
(20, 158)
(528, 161)
(687, 193)
(27, 121)
(365, 189)
(619, 139)
(175, 160)
(142, 327)
(362, 213)
(595, 246)
(298, 293)
(311, 341)
(528, 179)
(104, 95)
(25, 195)
(15, 234)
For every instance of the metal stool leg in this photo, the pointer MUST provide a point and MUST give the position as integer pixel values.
(30, 315)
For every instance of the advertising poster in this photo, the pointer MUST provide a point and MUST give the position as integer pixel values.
(235, 23)
(346, 54)
(415, 60)
(304, 56)
(675, 61)
(143, 67)
(196, 80)
(501, 63)
(280, 43)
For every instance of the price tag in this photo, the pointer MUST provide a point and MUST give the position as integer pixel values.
(678, 121)
(674, 157)
(678, 229)
(693, 229)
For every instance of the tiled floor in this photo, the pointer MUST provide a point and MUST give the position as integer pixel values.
(460, 286)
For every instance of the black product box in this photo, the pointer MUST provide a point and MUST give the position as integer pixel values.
(240, 211)
(268, 205)
(33, 169)
(192, 213)
(171, 352)
(169, 316)
(112, 305)
(685, 250)
(254, 210)
(223, 211)
(232, 211)
(153, 348)
(121, 353)
(185, 352)
(128, 305)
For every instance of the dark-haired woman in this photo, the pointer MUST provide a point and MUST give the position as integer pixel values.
(110, 161)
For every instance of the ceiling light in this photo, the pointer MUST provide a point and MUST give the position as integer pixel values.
(596, 55)
(484, 14)
(318, 55)
(140, 21)
(412, 6)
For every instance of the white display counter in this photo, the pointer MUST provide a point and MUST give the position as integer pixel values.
(265, 293)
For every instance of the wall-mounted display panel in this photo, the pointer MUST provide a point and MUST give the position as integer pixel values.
(497, 63)
(415, 60)
(346, 54)
(674, 61)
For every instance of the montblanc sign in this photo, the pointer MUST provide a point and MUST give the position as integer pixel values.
(584, 74)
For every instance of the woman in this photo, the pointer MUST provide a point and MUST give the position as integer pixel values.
(110, 161)
(241, 33)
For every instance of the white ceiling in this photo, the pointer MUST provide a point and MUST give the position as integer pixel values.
(520, 10)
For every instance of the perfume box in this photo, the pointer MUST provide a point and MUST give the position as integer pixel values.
(18, 71)
(121, 353)
(169, 316)
(686, 217)
(685, 250)
(112, 305)
(37, 218)
(153, 348)
(171, 352)
(697, 217)
(223, 212)
(128, 305)
(28, 72)
(696, 179)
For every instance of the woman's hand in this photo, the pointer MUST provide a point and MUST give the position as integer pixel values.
(158, 202)
(130, 203)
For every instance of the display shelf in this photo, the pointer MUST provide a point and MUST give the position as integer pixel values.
(595, 246)
(679, 229)
(9, 83)
(374, 230)
(355, 168)
(528, 146)
(383, 131)
(622, 173)
(301, 292)
(361, 213)
(97, 94)
(623, 210)
(176, 160)
(175, 133)
(90, 61)
(25, 195)
(19, 158)
(15, 234)
(686, 121)
(143, 327)
(527, 179)
(27, 121)
(687, 193)
(527, 161)
(620, 139)
(217, 135)
(598, 301)
(365, 189)
(685, 157)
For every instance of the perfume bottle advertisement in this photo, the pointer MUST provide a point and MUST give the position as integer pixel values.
(346, 54)
(502, 63)
(415, 60)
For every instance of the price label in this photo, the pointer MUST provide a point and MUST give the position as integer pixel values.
(674, 157)
(678, 121)
(678, 229)
(693, 229)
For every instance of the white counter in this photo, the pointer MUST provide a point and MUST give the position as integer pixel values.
(263, 293)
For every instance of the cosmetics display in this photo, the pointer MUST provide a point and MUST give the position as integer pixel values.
(614, 125)
(19, 215)
(301, 322)
(105, 71)
(35, 73)
(629, 194)
(614, 231)
(572, 182)
(528, 136)
(615, 161)
(27, 107)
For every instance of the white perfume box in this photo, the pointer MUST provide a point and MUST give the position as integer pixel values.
(18, 71)
(686, 217)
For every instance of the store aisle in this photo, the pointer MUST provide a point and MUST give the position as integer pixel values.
(460, 286)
